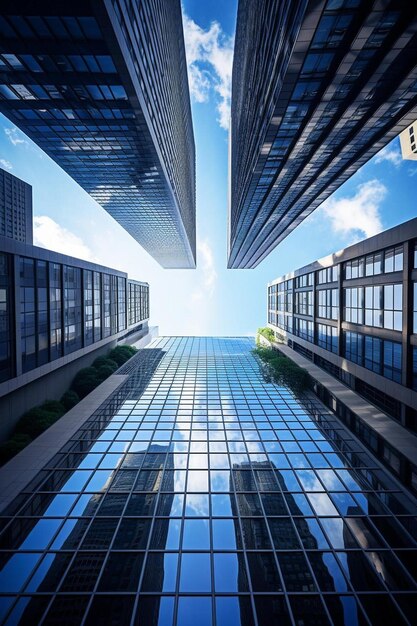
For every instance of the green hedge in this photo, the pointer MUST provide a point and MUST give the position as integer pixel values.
(121, 354)
(69, 399)
(12, 446)
(283, 370)
(39, 418)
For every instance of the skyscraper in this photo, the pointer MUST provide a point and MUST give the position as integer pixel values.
(318, 88)
(102, 88)
(353, 314)
(201, 494)
(15, 208)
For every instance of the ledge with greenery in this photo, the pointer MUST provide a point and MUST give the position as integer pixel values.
(39, 418)
(282, 370)
(267, 333)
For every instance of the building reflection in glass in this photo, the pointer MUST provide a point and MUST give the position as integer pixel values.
(201, 492)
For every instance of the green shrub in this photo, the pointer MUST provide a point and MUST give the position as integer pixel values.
(104, 360)
(104, 372)
(283, 370)
(35, 421)
(69, 399)
(121, 354)
(10, 448)
(85, 381)
(268, 333)
(53, 406)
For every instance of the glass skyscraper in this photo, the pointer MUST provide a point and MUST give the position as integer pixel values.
(102, 88)
(200, 493)
(317, 89)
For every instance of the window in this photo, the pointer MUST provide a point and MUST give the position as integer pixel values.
(42, 312)
(327, 337)
(353, 347)
(5, 335)
(353, 311)
(55, 310)
(414, 380)
(121, 302)
(328, 275)
(304, 329)
(393, 260)
(373, 306)
(72, 308)
(373, 264)
(393, 305)
(328, 304)
(392, 360)
(354, 269)
(88, 308)
(97, 306)
(373, 354)
(27, 313)
(306, 280)
(415, 308)
(106, 305)
(304, 303)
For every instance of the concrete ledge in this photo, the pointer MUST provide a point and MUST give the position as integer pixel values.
(19, 471)
(395, 434)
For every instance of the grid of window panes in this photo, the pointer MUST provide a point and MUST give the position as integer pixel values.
(138, 302)
(5, 320)
(383, 262)
(300, 118)
(62, 309)
(379, 355)
(378, 305)
(304, 329)
(328, 337)
(328, 275)
(280, 305)
(328, 303)
(208, 495)
(74, 94)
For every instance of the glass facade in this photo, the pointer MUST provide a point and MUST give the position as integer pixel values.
(5, 318)
(309, 107)
(104, 92)
(358, 306)
(61, 309)
(201, 494)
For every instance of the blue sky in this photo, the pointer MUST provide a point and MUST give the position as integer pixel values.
(210, 300)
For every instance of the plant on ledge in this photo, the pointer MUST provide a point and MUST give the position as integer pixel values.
(266, 332)
(282, 370)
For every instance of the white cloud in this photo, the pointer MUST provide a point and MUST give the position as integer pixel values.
(49, 234)
(359, 213)
(390, 154)
(209, 61)
(15, 136)
(6, 164)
